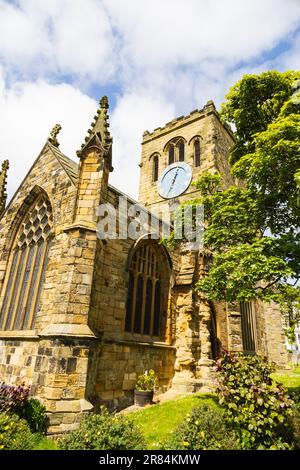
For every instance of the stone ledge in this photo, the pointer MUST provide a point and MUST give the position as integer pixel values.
(68, 330)
(80, 226)
(19, 334)
(72, 406)
(234, 314)
(154, 344)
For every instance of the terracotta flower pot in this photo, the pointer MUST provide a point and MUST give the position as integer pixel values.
(143, 398)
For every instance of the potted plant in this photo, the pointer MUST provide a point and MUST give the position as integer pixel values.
(144, 388)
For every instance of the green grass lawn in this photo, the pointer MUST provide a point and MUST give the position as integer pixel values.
(290, 379)
(45, 443)
(157, 421)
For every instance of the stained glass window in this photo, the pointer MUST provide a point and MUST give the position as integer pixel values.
(28, 261)
(144, 302)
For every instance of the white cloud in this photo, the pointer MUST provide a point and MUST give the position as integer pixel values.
(57, 38)
(165, 58)
(290, 60)
(30, 110)
(101, 40)
(28, 113)
(134, 114)
(176, 32)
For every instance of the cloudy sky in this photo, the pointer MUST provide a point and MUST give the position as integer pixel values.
(155, 59)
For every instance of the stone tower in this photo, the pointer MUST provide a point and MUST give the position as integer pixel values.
(206, 143)
(203, 142)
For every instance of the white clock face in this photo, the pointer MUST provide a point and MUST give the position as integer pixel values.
(174, 180)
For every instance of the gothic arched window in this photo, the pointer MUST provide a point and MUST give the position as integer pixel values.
(197, 152)
(27, 266)
(155, 167)
(145, 300)
(171, 154)
(180, 147)
(176, 149)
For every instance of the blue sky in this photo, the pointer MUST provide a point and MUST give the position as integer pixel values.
(154, 59)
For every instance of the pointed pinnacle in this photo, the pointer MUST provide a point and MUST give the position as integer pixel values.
(3, 178)
(5, 165)
(104, 102)
(99, 125)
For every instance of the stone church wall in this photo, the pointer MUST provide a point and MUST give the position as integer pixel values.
(123, 356)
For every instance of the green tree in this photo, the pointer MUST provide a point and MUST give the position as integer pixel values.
(253, 228)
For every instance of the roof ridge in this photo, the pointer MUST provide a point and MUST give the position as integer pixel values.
(69, 165)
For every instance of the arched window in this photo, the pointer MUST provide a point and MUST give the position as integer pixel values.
(197, 153)
(176, 149)
(180, 147)
(27, 266)
(145, 301)
(171, 154)
(155, 167)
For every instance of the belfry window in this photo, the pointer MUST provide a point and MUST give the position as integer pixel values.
(27, 266)
(145, 297)
(171, 154)
(176, 150)
(155, 167)
(197, 153)
(180, 147)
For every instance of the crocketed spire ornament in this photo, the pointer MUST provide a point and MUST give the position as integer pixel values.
(99, 131)
(3, 181)
(53, 135)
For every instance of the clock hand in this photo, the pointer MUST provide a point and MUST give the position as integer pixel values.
(173, 181)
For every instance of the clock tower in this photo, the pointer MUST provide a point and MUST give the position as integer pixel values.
(176, 154)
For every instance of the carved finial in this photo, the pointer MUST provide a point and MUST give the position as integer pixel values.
(104, 102)
(53, 135)
(99, 131)
(3, 180)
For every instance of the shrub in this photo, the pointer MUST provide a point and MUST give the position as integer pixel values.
(203, 429)
(256, 406)
(13, 397)
(104, 431)
(296, 425)
(146, 382)
(34, 412)
(15, 433)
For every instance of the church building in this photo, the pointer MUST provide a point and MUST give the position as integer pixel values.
(82, 316)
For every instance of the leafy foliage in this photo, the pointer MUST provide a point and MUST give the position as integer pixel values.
(256, 407)
(146, 382)
(247, 271)
(16, 400)
(253, 228)
(15, 433)
(104, 431)
(203, 429)
(34, 412)
(253, 103)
